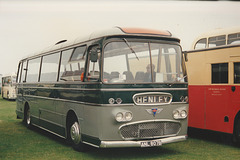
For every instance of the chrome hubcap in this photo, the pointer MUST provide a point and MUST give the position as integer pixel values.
(28, 117)
(75, 133)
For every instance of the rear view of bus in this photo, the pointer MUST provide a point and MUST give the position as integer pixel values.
(123, 87)
(9, 87)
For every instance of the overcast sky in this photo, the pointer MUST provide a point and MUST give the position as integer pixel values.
(28, 27)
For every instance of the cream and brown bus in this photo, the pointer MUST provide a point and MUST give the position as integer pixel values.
(9, 87)
(213, 68)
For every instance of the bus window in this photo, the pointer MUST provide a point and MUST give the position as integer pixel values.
(169, 62)
(234, 38)
(201, 44)
(78, 53)
(65, 67)
(135, 66)
(7, 81)
(23, 72)
(71, 69)
(237, 72)
(33, 70)
(19, 72)
(49, 69)
(216, 41)
(93, 63)
(129, 62)
(14, 78)
(220, 73)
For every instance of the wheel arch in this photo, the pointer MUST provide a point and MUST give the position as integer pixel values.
(71, 116)
(235, 120)
(26, 106)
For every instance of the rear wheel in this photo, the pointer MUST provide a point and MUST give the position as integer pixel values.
(237, 131)
(74, 135)
(27, 117)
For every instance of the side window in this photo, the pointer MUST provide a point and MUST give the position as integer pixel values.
(216, 41)
(65, 66)
(49, 71)
(201, 44)
(234, 38)
(220, 73)
(73, 67)
(237, 72)
(19, 72)
(33, 70)
(23, 72)
(93, 71)
(78, 53)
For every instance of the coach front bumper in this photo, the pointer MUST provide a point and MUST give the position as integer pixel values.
(141, 143)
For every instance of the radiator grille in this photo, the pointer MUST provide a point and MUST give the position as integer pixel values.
(149, 130)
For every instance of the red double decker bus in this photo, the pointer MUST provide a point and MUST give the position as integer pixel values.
(213, 68)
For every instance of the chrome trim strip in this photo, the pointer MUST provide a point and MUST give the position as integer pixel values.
(179, 103)
(78, 89)
(110, 89)
(115, 144)
(144, 89)
(64, 100)
(148, 121)
(90, 144)
(92, 104)
(115, 105)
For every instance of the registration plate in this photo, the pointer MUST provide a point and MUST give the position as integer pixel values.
(151, 143)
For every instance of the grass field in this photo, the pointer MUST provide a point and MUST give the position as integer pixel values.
(19, 143)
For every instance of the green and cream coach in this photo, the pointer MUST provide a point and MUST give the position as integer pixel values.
(122, 87)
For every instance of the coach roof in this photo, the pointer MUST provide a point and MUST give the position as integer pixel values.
(115, 31)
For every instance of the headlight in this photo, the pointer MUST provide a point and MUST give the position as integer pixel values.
(119, 117)
(183, 114)
(175, 114)
(128, 116)
(123, 116)
(180, 114)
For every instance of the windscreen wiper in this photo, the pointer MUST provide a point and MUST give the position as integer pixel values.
(178, 80)
(130, 48)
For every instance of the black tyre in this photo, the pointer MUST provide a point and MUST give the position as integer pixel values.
(237, 131)
(27, 117)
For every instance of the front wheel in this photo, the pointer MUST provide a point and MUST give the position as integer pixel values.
(75, 136)
(75, 133)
